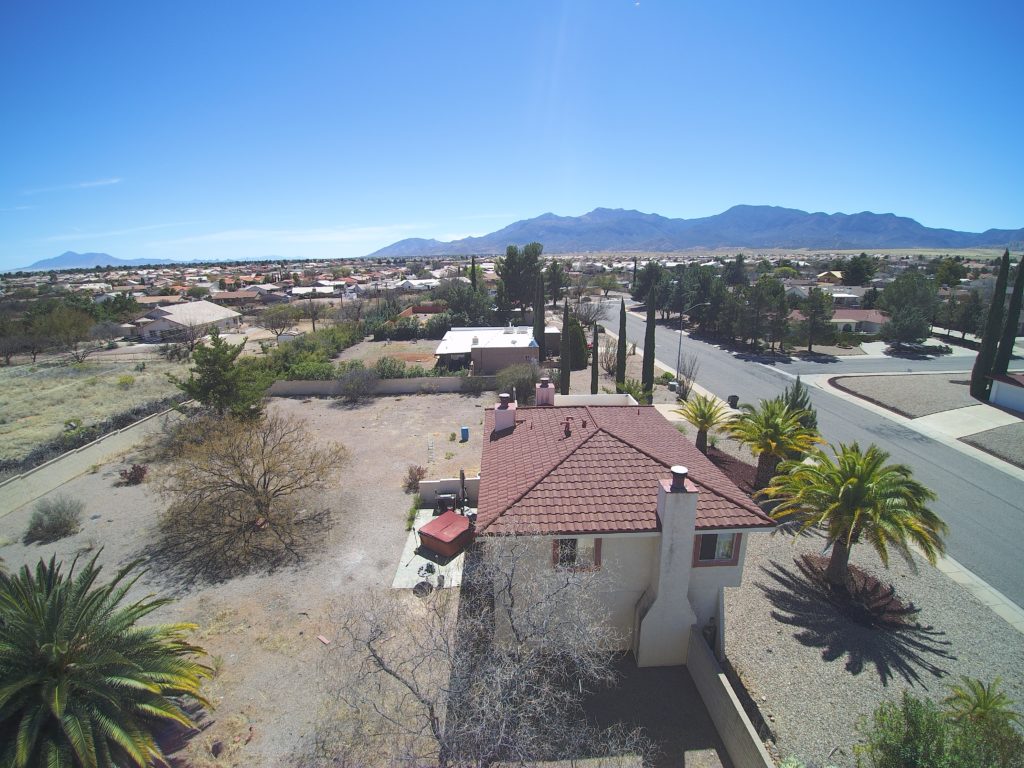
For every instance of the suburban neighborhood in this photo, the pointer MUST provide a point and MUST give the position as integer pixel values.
(551, 451)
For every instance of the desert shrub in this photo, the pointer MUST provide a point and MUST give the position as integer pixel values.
(135, 475)
(126, 381)
(356, 383)
(473, 385)
(390, 368)
(413, 475)
(633, 387)
(665, 378)
(54, 519)
(522, 377)
(111, 344)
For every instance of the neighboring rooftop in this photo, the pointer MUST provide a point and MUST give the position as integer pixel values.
(194, 313)
(601, 478)
(460, 341)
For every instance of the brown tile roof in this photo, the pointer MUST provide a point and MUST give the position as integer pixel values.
(603, 478)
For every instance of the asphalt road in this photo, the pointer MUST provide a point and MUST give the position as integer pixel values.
(983, 506)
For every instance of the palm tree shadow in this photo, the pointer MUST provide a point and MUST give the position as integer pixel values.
(905, 648)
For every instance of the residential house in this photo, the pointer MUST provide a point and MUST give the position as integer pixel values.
(832, 277)
(487, 350)
(617, 487)
(180, 321)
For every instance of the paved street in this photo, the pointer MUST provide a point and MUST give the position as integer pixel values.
(983, 505)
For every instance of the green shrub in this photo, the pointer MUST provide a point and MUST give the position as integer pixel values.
(390, 368)
(311, 370)
(410, 516)
(436, 326)
(917, 733)
(578, 346)
(54, 519)
(126, 381)
(523, 377)
(666, 377)
(633, 387)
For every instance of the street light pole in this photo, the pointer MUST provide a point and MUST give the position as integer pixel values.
(679, 352)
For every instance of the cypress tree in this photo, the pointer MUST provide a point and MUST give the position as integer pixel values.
(632, 285)
(647, 375)
(538, 318)
(1005, 351)
(472, 271)
(566, 353)
(593, 364)
(993, 325)
(620, 356)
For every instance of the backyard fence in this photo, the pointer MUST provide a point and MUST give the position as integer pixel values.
(419, 385)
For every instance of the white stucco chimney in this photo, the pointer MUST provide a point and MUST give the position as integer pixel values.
(504, 412)
(545, 392)
(665, 627)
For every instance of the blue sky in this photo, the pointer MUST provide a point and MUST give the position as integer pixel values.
(242, 129)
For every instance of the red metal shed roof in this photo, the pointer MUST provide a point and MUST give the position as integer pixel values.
(602, 478)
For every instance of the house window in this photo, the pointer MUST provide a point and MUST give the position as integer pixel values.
(716, 549)
(576, 554)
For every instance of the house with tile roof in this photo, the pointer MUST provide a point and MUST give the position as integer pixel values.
(617, 487)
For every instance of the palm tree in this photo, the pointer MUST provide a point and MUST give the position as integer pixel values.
(858, 497)
(706, 414)
(772, 432)
(83, 685)
(972, 700)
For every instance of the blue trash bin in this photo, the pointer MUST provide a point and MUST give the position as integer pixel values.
(465, 434)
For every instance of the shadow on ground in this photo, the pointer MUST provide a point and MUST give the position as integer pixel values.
(665, 704)
(914, 652)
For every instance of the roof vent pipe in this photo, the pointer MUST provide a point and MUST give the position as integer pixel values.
(679, 473)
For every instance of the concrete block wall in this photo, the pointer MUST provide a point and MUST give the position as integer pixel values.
(734, 727)
(430, 488)
(419, 385)
(21, 489)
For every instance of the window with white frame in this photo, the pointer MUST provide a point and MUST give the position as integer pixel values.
(715, 548)
(576, 554)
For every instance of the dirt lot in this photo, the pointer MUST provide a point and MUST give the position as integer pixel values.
(36, 401)
(261, 630)
(419, 351)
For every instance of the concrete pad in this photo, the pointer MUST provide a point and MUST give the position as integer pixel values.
(967, 421)
(408, 574)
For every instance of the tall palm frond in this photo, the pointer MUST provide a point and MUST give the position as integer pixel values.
(83, 684)
(972, 700)
(773, 432)
(706, 414)
(856, 496)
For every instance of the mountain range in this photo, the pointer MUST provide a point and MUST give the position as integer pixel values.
(72, 260)
(746, 226)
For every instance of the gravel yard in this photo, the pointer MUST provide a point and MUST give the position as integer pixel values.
(261, 630)
(815, 673)
(1006, 442)
(911, 396)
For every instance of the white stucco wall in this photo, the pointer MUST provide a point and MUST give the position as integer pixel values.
(1007, 396)
(707, 580)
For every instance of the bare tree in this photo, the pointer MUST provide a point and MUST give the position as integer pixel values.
(279, 318)
(588, 312)
(494, 672)
(314, 310)
(237, 494)
(609, 357)
(689, 364)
